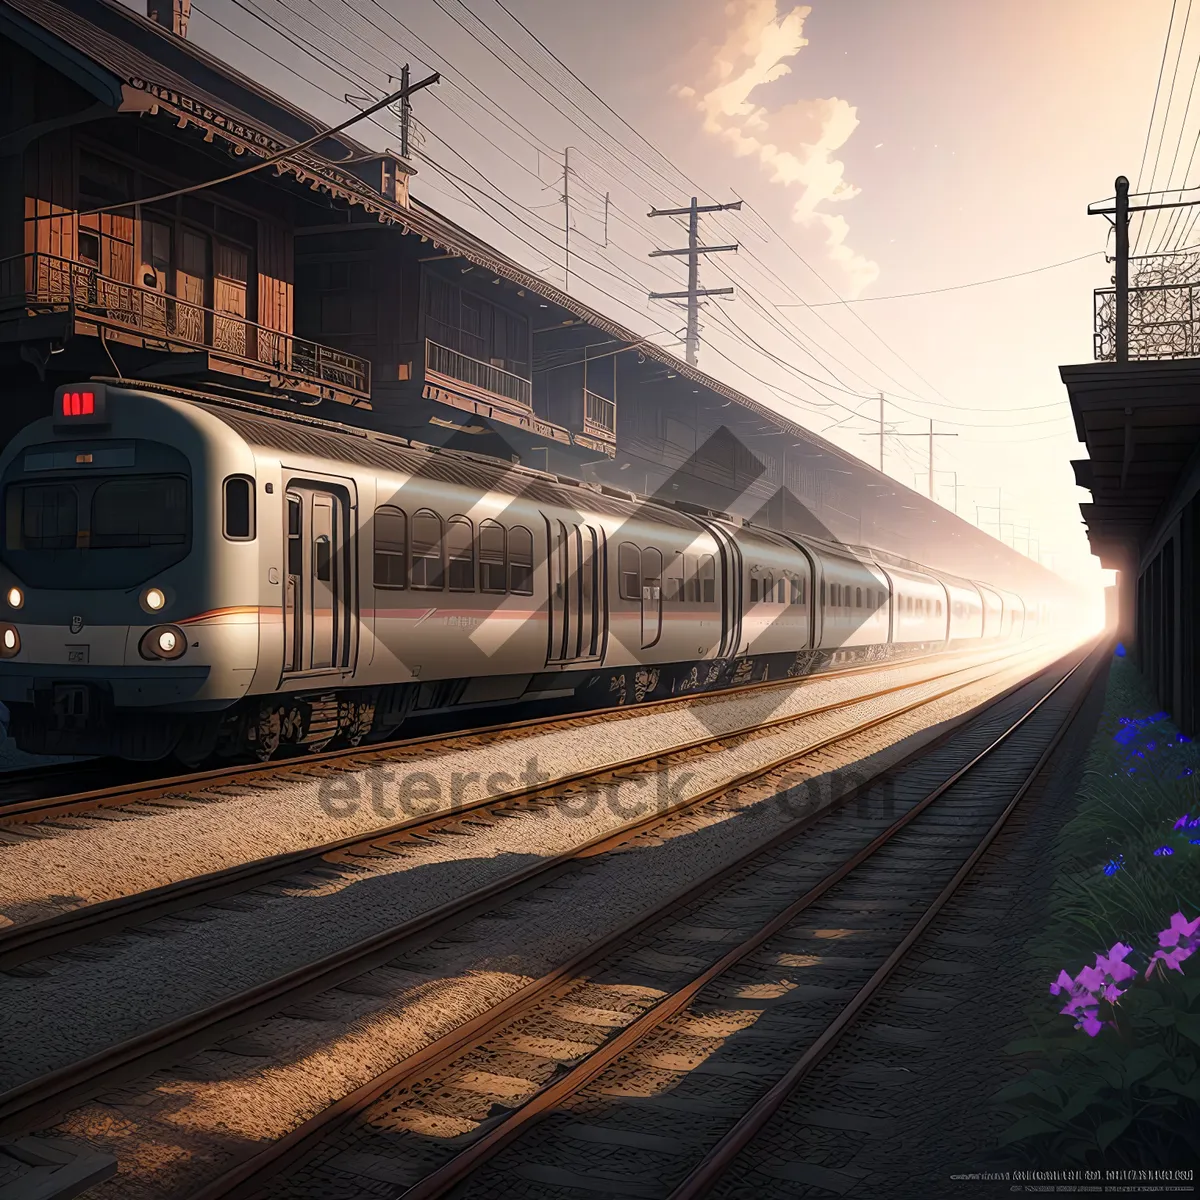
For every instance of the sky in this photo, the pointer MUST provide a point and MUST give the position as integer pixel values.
(880, 148)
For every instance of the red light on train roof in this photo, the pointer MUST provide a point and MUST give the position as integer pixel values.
(80, 404)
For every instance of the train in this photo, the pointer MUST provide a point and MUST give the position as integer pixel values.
(203, 576)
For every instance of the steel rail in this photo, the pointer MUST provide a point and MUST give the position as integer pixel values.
(50, 935)
(32, 1104)
(246, 1179)
(453, 1172)
(718, 1160)
(398, 749)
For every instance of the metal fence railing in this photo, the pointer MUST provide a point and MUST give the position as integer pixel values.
(41, 283)
(478, 373)
(1162, 322)
(599, 415)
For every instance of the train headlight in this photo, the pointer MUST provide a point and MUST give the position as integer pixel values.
(16, 597)
(153, 599)
(163, 641)
(10, 641)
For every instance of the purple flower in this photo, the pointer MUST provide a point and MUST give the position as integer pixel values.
(1112, 993)
(1182, 823)
(1163, 852)
(1090, 1023)
(1113, 963)
(1179, 927)
(1063, 983)
(1171, 958)
(1114, 865)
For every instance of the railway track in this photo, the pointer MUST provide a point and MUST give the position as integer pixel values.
(34, 939)
(35, 794)
(647, 1064)
(33, 1103)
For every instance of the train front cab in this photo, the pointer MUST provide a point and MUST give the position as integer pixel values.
(126, 621)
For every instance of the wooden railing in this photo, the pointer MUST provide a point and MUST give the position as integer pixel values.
(599, 415)
(43, 283)
(477, 373)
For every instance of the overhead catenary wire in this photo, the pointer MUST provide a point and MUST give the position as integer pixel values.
(623, 279)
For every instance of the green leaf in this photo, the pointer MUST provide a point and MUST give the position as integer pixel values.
(1142, 1061)
(1167, 1081)
(1027, 1127)
(1189, 1025)
(1111, 1130)
(1079, 1102)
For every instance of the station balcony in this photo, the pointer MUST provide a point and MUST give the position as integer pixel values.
(599, 417)
(1164, 322)
(477, 378)
(47, 297)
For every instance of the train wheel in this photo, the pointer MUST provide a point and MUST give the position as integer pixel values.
(264, 733)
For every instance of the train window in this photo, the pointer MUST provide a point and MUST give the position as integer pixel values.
(295, 552)
(136, 512)
(491, 557)
(753, 589)
(858, 597)
(691, 579)
(460, 554)
(323, 559)
(768, 589)
(708, 580)
(794, 591)
(629, 567)
(520, 561)
(427, 568)
(673, 582)
(239, 508)
(651, 575)
(41, 517)
(822, 593)
(391, 546)
(939, 608)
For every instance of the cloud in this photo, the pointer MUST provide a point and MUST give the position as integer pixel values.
(795, 143)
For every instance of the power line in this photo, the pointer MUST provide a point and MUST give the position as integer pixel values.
(1167, 108)
(958, 287)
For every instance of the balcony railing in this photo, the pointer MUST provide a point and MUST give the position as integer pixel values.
(42, 283)
(1163, 322)
(476, 373)
(599, 416)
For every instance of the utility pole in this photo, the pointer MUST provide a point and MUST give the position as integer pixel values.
(881, 433)
(693, 251)
(405, 113)
(1119, 213)
(932, 435)
(566, 196)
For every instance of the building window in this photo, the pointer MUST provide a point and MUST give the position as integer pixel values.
(391, 547)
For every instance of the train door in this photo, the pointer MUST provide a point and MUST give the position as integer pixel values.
(575, 558)
(318, 624)
(652, 565)
(730, 557)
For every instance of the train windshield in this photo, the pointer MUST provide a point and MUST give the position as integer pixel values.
(96, 532)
